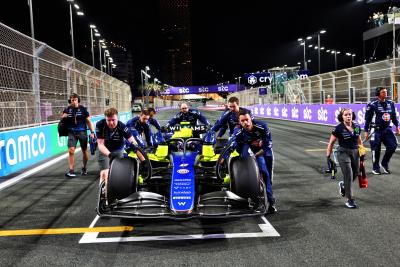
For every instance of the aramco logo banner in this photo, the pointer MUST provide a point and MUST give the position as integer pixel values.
(226, 88)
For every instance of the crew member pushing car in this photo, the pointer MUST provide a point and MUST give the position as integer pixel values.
(140, 125)
(255, 135)
(189, 115)
(110, 134)
(229, 118)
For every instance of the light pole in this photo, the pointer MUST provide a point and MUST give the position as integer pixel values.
(146, 76)
(71, 27)
(335, 52)
(352, 58)
(31, 17)
(106, 55)
(303, 43)
(79, 13)
(110, 61)
(319, 50)
(91, 41)
(101, 42)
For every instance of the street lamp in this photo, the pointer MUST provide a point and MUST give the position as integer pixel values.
(319, 50)
(352, 57)
(335, 52)
(101, 43)
(91, 41)
(303, 43)
(145, 76)
(71, 27)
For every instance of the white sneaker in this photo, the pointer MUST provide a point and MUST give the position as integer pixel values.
(376, 172)
(385, 170)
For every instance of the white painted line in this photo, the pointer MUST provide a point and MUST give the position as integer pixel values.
(22, 176)
(267, 230)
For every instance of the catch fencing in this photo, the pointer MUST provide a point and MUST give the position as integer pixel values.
(352, 85)
(36, 81)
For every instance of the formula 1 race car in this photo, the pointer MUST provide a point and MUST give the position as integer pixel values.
(183, 178)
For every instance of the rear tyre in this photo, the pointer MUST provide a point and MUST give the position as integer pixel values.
(245, 178)
(122, 178)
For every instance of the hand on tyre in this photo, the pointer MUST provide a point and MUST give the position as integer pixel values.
(113, 155)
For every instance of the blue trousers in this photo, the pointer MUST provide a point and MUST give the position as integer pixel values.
(386, 137)
(262, 164)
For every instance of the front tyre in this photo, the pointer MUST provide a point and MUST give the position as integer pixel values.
(245, 179)
(122, 178)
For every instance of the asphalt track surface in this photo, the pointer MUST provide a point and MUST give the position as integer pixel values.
(312, 227)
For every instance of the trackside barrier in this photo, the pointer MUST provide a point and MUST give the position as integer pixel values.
(318, 114)
(22, 148)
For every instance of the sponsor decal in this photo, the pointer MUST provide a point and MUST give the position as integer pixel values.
(268, 111)
(322, 114)
(386, 117)
(295, 113)
(183, 165)
(183, 171)
(252, 80)
(182, 197)
(307, 114)
(284, 112)
(276, 112)
(361, 116)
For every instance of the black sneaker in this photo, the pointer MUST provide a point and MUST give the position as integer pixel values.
(84, 171)
(385, 170)
(351, 204)
(342, 192)
(271, 209)
(376, 172)
(70, 173)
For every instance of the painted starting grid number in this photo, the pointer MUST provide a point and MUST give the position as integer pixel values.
(267, 230)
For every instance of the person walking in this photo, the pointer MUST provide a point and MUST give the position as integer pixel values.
(77, 119)
(378, 115)
(349, 135)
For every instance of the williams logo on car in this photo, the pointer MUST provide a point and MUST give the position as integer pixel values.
(183, 171)
(183, 165)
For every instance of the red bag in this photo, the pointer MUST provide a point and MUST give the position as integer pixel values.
(362, 176)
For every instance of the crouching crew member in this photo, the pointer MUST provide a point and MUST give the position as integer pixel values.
(255, 135)
(110, 134)
(138, 126)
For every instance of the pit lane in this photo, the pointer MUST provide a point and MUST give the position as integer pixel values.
(315, 229)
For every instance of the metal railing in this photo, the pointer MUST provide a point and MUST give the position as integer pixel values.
(36, 81)
(352, 85)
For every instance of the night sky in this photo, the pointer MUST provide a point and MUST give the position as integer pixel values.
(227, 36)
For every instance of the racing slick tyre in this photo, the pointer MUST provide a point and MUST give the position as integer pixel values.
(245, 179)
(122, 178)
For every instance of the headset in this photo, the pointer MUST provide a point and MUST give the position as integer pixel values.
(378, 90)
(340, 115)
(74, 95)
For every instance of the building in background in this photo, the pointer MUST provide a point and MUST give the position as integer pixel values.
(176, 42)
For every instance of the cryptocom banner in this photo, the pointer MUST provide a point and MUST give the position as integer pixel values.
(22, 148)
(320, 114)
